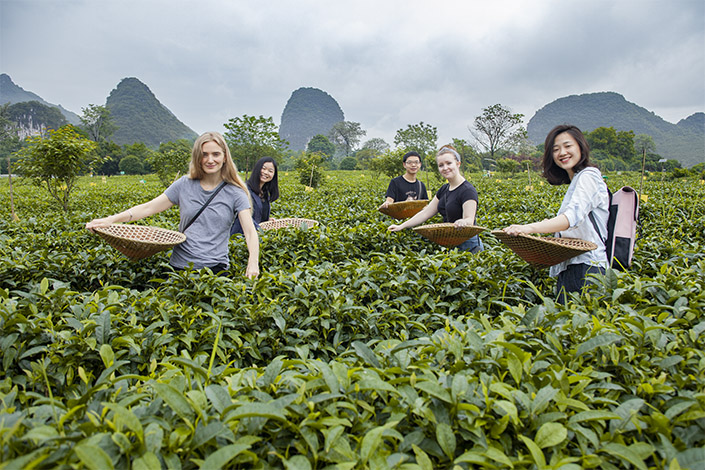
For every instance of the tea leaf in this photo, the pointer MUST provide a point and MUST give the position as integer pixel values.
(222, 456)
(550, 434)
(93, 457)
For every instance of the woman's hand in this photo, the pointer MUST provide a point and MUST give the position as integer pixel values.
(252, 270)
(395, 228)
(517, 229)
(460, 223)
(104, 222)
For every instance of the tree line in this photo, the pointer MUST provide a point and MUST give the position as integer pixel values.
(58, 153)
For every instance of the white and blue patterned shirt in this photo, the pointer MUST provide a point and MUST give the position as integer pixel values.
(587, 193)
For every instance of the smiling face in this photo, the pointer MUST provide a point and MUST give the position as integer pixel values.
(412, 165)
(448, 165)
(212, 158)
(566, 153)
(266, 173)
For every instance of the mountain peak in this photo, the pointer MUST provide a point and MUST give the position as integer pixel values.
(140, 116)
(308, 112)
(684, 141)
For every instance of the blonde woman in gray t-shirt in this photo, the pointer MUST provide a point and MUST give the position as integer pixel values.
(207, 235)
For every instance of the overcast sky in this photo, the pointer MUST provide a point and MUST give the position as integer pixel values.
(387, 63)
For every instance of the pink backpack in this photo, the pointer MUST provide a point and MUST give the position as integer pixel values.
(621, 227)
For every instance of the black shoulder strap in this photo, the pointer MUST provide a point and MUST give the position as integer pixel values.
(217, 190)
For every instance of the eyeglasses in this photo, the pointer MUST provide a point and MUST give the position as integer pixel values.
(413, 162)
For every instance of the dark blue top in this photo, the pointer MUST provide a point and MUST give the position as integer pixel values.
(260, 213)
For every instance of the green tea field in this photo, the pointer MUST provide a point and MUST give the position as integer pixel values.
(355, 348)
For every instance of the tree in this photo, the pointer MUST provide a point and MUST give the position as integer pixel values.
(310, 169)
(98, 122)
(417, 137)
(346, 135)
(609, 144)
(507, 165)
(131, 165)
(112, 153)
(56, 161)
(320, 143)
(171, 160)
(251, 138)
(469, 158)
(10, 141)
(497, 128)
(348, 163)
(389, 163)
(377, 145)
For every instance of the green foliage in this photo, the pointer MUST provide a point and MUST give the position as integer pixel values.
(320, 143)
(355, 347)
(170, 161)
(140, 117)
(684, 141)
(251, 138)
(497, 128)
(56, 162)
(608, 144)
(348, 163)
(131, 165)
(507, 165)
(309, 167)
(32, 117)
(417, 137)
(345, 135)
(390, 163)
(10, 141)
(469, 158)
(377, 145)
(111, 154)
(98, 122)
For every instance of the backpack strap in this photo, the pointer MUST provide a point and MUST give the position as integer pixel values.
(217, 190)
(594, 224)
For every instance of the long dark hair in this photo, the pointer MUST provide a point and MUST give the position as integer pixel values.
(270, 190)
(552, 172)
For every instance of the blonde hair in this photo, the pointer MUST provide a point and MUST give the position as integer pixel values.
(228, 171)
(449, 149)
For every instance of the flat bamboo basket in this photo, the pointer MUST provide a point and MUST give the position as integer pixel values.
(544, 251)
(404, 209)
(447, 234)
(139, 241)
(290, 222)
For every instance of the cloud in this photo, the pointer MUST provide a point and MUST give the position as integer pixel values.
(387, 63)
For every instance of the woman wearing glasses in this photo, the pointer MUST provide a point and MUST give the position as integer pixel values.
(456, 200)
(406, 187)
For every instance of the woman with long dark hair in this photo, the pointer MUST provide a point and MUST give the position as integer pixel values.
(263, 185)
(566, 160)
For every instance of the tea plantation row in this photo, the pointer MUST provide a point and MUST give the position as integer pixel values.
(354, 348)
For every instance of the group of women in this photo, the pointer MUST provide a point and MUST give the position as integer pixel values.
(215, 203)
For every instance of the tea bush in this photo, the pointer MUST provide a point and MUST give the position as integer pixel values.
(355, 347)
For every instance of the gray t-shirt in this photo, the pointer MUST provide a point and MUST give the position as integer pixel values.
(207, 238)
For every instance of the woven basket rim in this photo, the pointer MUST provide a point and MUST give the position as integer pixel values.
(130, 227)
(556, 241)
(453, 235)
(287, 222)
(404, 209)
(118, 236)
(544, 251)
